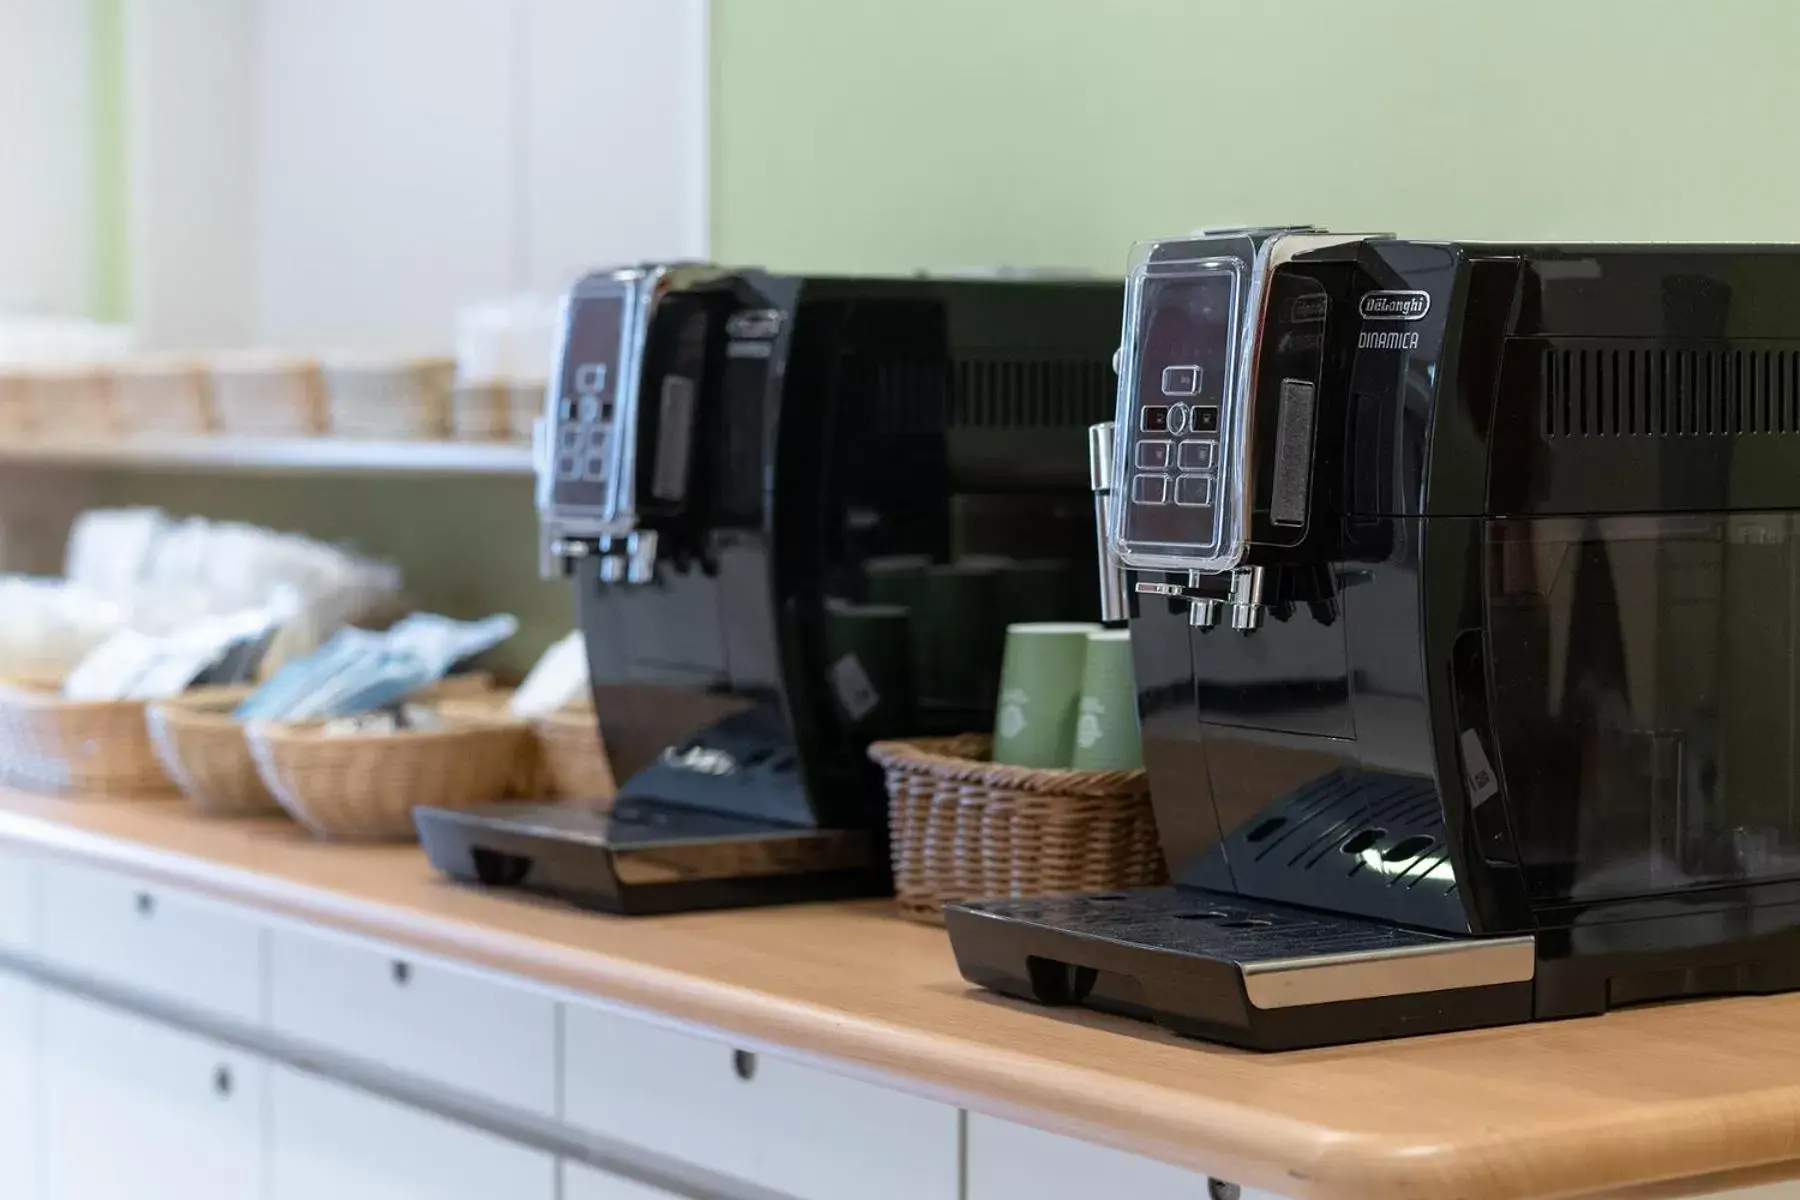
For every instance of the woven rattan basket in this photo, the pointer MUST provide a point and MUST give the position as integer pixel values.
(403, 400)
(158, 397)
(478, 412)
(524, 404)
(362, 787)
(258, 394)
(79, 747)
(205, 753)
(573, 758)
(15, 405)
(71, 402)
(964, 828)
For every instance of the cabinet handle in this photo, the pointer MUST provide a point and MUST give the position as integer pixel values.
(146, 904)
(402, 973)
(222, 1081)
(743, 1064)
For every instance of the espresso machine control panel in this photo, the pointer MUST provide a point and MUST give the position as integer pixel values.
(586, 465)
(1172, 427)
(584, 415)
(1186, 480)
(1175, 429)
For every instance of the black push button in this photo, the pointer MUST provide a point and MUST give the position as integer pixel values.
(1152, 456)
(1181, 380)
(1198, 455)
(1204, 419)
(1150, 489)
(1154, 419)
(1193, 491)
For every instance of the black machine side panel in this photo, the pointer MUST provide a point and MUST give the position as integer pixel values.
(790, 431)
(1650, 380)
(1314, 774)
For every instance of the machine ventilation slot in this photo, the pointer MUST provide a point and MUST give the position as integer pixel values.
(911, 397)
(1655, 391)
(1002, 393)
(992, 393)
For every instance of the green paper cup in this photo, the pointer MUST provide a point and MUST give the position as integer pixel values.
(869, 666)
(1040, 692)
(1106, 725)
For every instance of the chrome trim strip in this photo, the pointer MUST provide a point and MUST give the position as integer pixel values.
(1370, 974)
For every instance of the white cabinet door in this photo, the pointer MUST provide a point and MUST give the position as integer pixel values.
(18, 901)
(468, 1030)
(1007, 1161)
(331, 1142)
(19, 1001)
(135, 1110)
(200, 953)
(782, 1125)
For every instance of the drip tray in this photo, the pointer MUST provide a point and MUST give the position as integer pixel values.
(644, 858)
(1245, 972)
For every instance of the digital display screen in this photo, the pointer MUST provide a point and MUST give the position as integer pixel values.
(587, 399)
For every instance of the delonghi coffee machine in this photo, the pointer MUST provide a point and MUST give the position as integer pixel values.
(1464, 592)
(797, 512)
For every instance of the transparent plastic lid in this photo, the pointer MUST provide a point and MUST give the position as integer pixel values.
(1177, 466)
(585, 463)
(1182, 455)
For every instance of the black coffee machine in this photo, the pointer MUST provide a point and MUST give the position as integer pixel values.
(797, 512)
(1464, 591)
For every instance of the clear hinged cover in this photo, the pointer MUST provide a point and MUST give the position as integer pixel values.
(1183, 457)
(1177, 439)
(585, 460)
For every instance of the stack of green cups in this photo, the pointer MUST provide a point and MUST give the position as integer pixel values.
(1067, 698)
(1106, 727)
(1040, 692)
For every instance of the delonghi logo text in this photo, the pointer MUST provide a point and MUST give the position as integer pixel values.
(1395, 306)
(754, 323)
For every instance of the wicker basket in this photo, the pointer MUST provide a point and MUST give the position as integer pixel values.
(71, 402)
(77, 747)
(403, 400)
(524, 405)
(480, 700)
(478, 412)
(964, 828)
(266, 395)
(362, 787)
(15, 406)
(205, 753)
(162, 397)
(573, 757)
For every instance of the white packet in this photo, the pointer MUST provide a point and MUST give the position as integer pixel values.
(110, 670)
(556, 680)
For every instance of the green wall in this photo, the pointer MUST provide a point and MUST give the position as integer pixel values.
(850, 134)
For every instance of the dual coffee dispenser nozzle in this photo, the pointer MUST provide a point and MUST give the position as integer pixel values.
(1204, 610)
(627, 559)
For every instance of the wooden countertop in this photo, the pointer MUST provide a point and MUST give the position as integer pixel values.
(1610, 1104)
